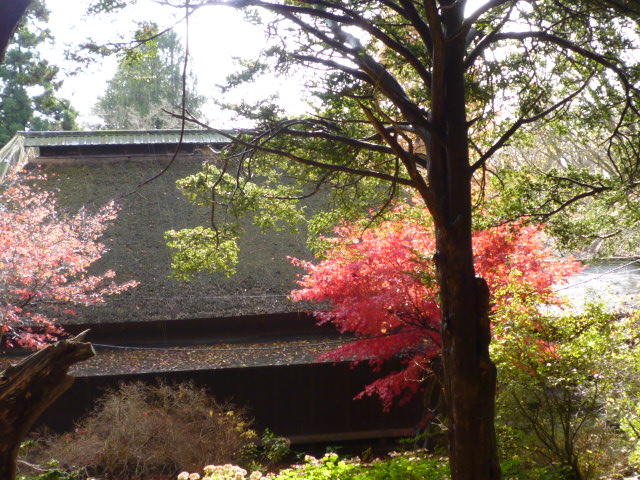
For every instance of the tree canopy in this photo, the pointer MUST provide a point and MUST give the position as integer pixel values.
(421, 96)
(29, 84)
(531, 73)
(149, 79)
(44, 261)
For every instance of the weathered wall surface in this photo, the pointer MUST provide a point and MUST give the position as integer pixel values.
(138, 251)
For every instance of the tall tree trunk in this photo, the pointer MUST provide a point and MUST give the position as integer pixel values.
(469, 373)
(11, 12)
(28, 388)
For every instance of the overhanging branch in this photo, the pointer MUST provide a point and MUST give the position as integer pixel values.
(11, 12)
(568, 45)
(236, 139)
(524, 121)
(481, 10)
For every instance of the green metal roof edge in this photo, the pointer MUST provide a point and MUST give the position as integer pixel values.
(119, 137)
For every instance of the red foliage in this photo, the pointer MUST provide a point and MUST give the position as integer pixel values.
(44, 257)
(380, 284)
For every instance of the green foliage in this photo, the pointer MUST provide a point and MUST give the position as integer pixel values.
(605, 222)
(630, 421)
(29, 84)
(273, 204)
(148, 79)
(409, 465)
(521, 470)
(275, 448)
(105, 6)
(567, 385)
(631, 426)
(274, 197)
(53, 472)
(406, 466)
(202, 249)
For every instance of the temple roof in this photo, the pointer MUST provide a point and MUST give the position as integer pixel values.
(121, 137)
(90, 177)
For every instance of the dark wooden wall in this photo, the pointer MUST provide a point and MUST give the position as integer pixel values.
(307, 403)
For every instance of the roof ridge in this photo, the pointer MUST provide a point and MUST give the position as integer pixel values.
(36, 133)
(72, 138)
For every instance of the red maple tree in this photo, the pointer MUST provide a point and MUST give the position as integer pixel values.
(44, 260)
(380, 285)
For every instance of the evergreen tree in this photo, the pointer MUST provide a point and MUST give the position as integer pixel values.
(148, 79)
(29, 84)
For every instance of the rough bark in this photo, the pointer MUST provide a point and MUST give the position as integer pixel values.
(469, 373)
(11, 12)
(28, 388)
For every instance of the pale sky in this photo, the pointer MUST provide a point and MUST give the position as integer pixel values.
(217, 34)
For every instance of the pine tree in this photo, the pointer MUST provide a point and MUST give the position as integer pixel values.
(148, 79)
(29, 84)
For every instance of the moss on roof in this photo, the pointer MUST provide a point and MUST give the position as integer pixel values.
(119, 137)
(138, 251)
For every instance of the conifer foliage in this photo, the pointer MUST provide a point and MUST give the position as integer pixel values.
(148, 80)
(45, 256)
(380, 283)
(29, 84)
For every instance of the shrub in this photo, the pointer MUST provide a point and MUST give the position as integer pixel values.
(274, 448)
(141, 429)
(413, 465)
(566, 387)
(269, 451)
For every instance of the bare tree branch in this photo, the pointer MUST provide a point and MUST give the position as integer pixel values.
(482, 45)
(410, 12)
(352, 142)
(334, 65)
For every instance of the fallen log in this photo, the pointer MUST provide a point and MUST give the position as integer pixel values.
(28, 388)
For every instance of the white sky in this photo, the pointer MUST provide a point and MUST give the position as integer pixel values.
(217, 34)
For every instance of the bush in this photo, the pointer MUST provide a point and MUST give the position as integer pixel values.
(405, 466)
(140, 430)
(566, 388)
(267, 452)
(275, 449)
(50, 472)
